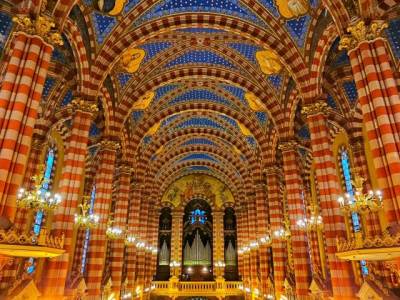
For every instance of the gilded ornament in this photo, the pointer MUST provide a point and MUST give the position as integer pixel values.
(43, 26)
(154, 128)
(245, 131)
(268, 61)
(144, 101)
(110, 7)
(109, 145)
(254, 102)
(292, 8)
(131, 59)
(287, 146)
(314, 108)
(361, 32)
(80, 104)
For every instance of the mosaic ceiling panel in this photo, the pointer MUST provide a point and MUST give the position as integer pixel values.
(200, 94)
(200, 57)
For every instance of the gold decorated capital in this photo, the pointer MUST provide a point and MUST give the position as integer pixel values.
(314, 108)
(287, 146)
(109, 145)
(361, 32)
(43, 26)
(272, 170)
(82, 105)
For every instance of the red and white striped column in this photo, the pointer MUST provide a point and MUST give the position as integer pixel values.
(276, 223)
(70, 185)
(252, 229)
(120, 221)
(133, 230)
(218, 241)
(98, 238)
(141, 252)
(328, 187)
(296, 211)
(380, 104)
(176, 239)
(262, 232)
(240, 241)
(20, 94)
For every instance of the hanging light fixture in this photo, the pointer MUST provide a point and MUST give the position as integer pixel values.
(312, 223)
(360, 202)
(86, 219)
(113, 232)
(38, 198)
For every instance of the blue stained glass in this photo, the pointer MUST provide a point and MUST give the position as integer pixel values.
(298, 28)
(198, 156)
(198, 216)
(331, 102)
(276, 80)
(48, 85)
(393, 36)
(200, 94)
(153, 48)
(200, 57)
(247, 50)
(123, 78)
(345, 162)
(87, 233)
(103, 25)
(31, 267)
(6, 24)
(351, 91)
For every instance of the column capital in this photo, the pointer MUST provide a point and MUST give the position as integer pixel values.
(109, 145)
(272, 170)
(82, 105)
(125, 167)
(360, 32)
(43, 26)
(319, 106)
(288, 145)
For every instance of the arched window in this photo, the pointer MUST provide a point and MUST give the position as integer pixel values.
(345, 166)
(87, 232)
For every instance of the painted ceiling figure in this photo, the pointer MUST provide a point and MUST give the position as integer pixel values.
(292, 8)
(111, 7)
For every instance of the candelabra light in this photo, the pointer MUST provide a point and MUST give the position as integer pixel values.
(312, 223)
(86, 219)
(283, 233)
(113, 232)
(130, 240)
(219, 264)
(360, 202)
(38, 198)
(174, 264)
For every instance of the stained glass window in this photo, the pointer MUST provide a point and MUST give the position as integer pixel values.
(198, 216)
(346, 172)
(87, 232)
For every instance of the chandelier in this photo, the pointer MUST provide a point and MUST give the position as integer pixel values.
(283, 233)
(360, 202)
(38, 198)
(86, 219)
(113, 232)
(312, 223)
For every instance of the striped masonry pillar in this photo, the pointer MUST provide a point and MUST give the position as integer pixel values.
(296, 211)
(262, 232)
(120, 220)
(243, 223)
(176, 239)
(240, 241)
(133, 230)
(373, 226)
(252, 229)
(20, 94)
(71, 179)
(150, 244)
(328, 187)
(141, 252)
(380, 104)
(218, 241)
(154, 243)
(98, 239)
(276, 223)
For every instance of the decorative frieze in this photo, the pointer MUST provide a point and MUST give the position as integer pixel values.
(314, 108)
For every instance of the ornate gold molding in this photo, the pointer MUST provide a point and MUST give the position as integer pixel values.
(109, 145)
(43, 26)
(314, 108)
(125, 168)
(80, 104)
(272, 170)
(287, 146)
(361, 32)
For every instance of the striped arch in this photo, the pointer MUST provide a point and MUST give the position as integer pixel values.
(338, 11)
